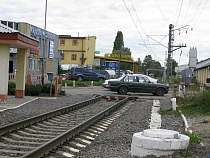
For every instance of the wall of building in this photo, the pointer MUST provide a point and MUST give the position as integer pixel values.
(85, 47)
(34, 58)
(203, 74)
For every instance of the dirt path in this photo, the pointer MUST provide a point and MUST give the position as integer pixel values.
(200, 125)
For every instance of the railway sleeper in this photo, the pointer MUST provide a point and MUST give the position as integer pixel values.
(42, 132)
(35, 135)
(28, 138)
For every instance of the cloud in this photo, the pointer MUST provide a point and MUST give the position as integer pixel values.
(136, 19)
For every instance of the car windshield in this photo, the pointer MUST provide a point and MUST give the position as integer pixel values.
(120, 77)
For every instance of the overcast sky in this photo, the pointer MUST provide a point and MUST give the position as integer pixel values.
(144, 24)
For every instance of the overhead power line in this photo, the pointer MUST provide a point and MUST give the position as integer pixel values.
(144, 43)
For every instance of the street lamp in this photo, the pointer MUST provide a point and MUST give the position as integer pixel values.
(44, 43)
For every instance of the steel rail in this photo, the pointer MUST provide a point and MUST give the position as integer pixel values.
(59, 140)
(23, 123)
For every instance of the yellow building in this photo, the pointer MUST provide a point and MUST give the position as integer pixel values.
(76, 51)
(203, 72)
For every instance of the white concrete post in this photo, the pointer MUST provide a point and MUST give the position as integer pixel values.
(173, 100)
(74, 83)
(180, 90)
(65, 86)
(91, 83)
(201, 89)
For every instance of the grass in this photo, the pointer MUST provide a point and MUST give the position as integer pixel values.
(194, 138)
(195, 104)
(191, 104)
(81, 84)
(169, 112)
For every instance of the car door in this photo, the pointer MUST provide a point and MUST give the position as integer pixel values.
(147, 86)
(92, 76)
(132, 83)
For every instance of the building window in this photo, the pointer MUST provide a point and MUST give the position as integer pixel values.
(62, 42)
(33, 65)
(62, 56)
(39, 65)
(30, 64)
(73, 57)
(74, 43)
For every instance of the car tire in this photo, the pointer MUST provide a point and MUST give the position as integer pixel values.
(160, 92)
(80, 78)
(123, 90)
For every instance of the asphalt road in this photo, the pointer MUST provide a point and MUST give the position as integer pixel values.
(99, 90)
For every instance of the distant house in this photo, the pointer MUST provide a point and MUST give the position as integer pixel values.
(179, 69)
(203, 72)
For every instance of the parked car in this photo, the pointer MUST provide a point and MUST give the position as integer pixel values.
(142, 78)
(82, 74)
(130, 83)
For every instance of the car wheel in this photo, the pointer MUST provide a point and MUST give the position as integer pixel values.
(123, 90)
(160, 92)
(80, 78)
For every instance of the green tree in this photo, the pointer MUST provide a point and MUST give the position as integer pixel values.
(140, 64)
(149, 63)
(119, 42)
(174, 64)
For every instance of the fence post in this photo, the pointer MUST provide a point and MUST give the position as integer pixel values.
(74, 83)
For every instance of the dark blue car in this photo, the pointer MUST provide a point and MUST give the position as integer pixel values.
(85, 74)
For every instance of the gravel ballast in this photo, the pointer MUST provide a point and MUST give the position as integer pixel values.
(114, 142)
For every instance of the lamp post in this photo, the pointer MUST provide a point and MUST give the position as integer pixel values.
(44, 43)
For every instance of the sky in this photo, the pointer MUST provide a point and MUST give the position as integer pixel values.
(144, 24)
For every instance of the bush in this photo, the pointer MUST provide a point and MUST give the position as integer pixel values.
(11, 88)
(46, 88)
(195, 103)
(33, 90)
(81, 84)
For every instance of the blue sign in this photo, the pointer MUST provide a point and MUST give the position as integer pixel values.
(111, 65)
(39, 32)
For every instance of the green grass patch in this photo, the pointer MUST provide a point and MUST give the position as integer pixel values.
(169, 112)
(81, 83)
(194, 138)
(194, 103)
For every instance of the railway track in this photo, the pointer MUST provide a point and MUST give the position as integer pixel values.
(60, 133)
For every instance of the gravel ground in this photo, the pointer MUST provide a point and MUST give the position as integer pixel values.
(115, 142)
(39, 106)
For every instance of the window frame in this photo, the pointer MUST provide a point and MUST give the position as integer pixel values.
(74, 42)
(62, 42)
(74, 57)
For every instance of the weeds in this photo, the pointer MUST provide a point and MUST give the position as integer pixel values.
(194, 138)
(169, 112)
(194, 103)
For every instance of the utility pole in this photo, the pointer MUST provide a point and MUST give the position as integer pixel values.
(171, 46)
(169, 52)
(120, 57)
(44, 44)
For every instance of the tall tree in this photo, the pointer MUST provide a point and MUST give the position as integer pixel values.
(149, 63)
(119, 42)
(125, 52)
(174, 64)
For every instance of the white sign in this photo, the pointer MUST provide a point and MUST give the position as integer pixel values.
(50, 50)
